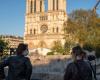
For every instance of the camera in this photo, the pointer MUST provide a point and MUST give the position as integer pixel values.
(91, 57)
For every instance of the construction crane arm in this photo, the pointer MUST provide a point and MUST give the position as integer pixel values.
(95, 7)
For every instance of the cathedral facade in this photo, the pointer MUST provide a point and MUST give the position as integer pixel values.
(43, 28)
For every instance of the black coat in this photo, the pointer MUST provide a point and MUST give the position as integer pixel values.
(82, 72)
(2, 74)
(19, 67)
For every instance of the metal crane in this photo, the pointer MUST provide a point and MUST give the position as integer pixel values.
(95, 7)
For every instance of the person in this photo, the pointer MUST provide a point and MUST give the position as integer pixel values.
(78, 69)
(19, 66)
(2, 74)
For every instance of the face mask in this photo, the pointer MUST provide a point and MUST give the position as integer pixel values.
(25, 53)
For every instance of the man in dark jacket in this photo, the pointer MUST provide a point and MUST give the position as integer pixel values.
(2, 74)
(19, 66)
(78, 69)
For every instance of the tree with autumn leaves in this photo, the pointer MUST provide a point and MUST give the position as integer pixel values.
(84, 27)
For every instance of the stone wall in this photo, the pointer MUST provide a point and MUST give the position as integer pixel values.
(49, 67)
(53, 67)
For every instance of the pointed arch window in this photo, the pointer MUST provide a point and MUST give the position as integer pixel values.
(57, 29)
(31, 8)
(40, 6)
(57, 6)
(53, 29)
(34, 31)
(30, 31)
(53, 4)
(34, 5)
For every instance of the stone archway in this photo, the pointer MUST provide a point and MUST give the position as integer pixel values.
(42, 44)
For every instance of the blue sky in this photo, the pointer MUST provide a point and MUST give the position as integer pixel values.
(12, 14)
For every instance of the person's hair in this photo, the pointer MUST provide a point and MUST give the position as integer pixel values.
(21, 48)
(77, 50)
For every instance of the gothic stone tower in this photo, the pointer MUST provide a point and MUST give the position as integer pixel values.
(43, 28)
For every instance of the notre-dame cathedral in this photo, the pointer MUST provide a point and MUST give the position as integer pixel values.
(44, 27)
